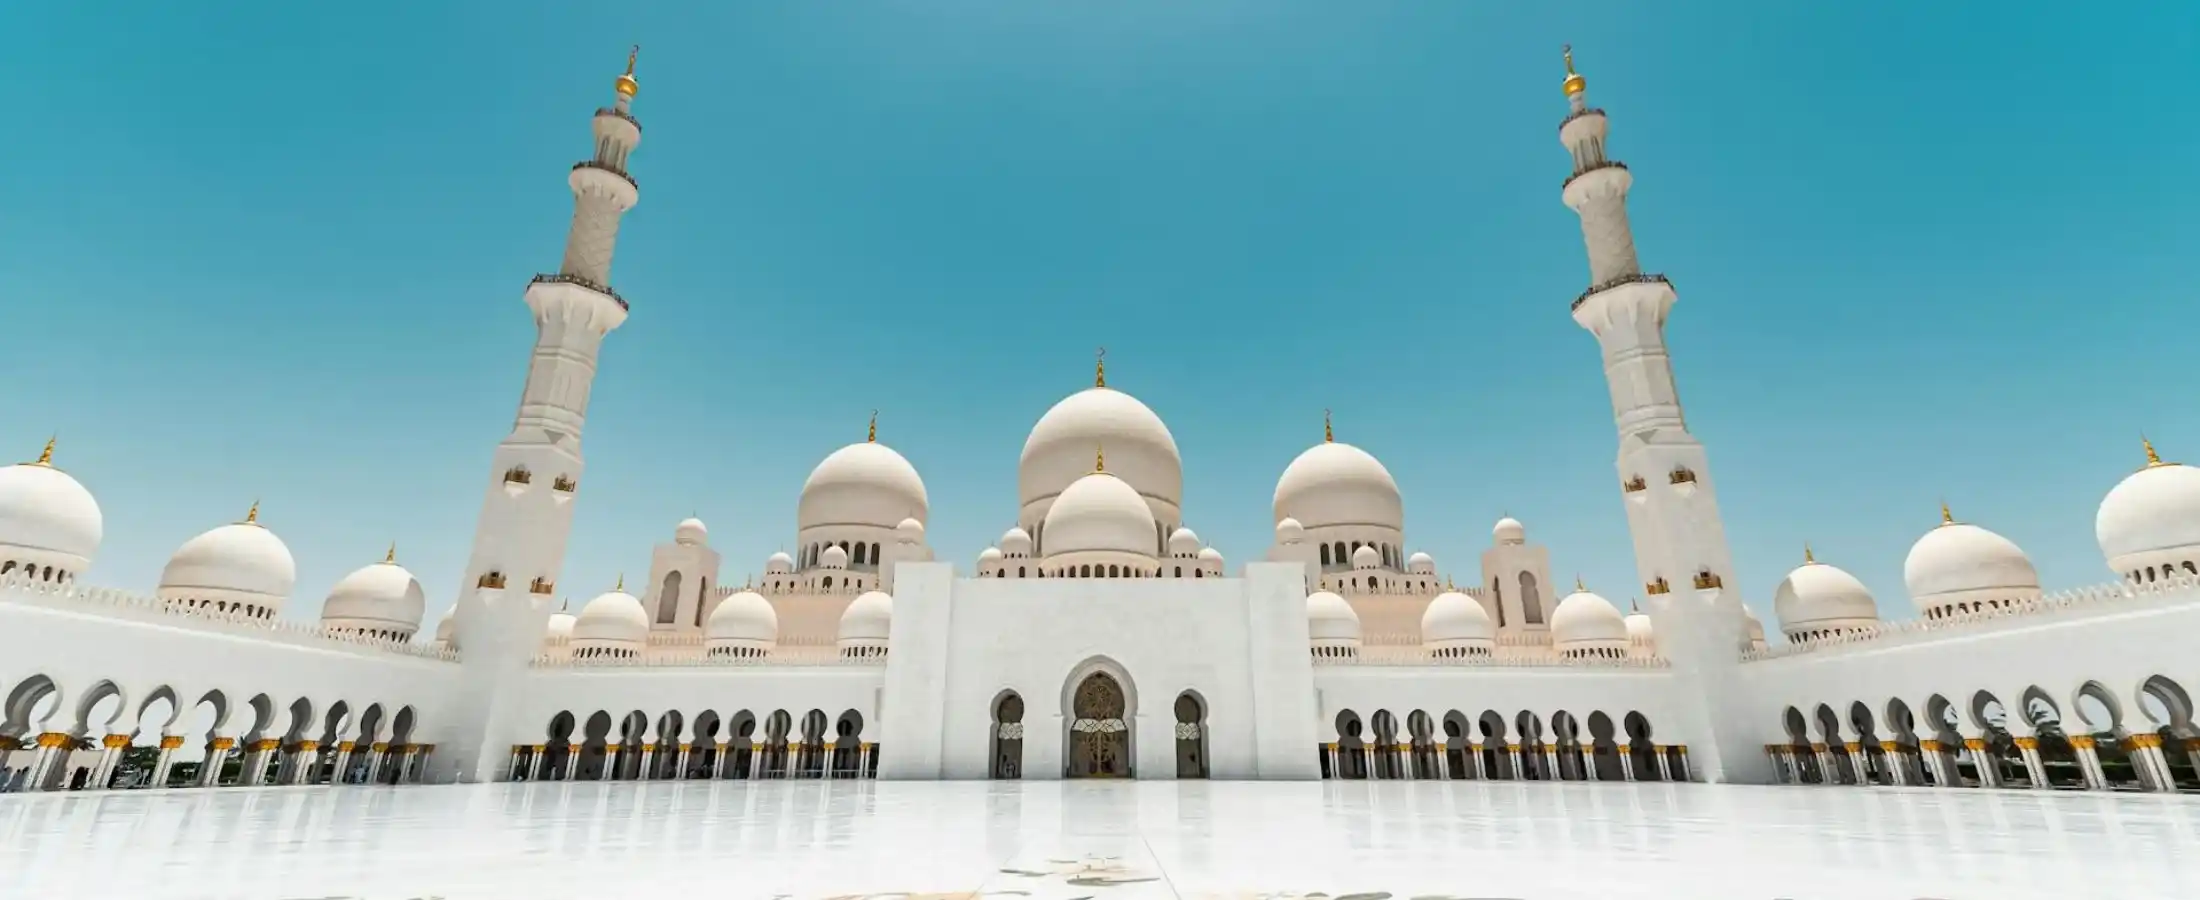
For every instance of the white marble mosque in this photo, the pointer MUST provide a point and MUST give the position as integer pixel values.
(1100, 638)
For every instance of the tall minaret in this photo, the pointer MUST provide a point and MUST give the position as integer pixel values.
(504, 602)
(1664, 476)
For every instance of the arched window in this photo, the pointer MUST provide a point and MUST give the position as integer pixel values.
(875, 558)
(702, 598)
(1531, 601)
(668, 599)
(861, 550)
(1342, 557)
(1497, 599)
(1325, 554)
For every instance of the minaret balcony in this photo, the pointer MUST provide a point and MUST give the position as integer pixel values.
(1602, 165)
(1570, 119)
(602, 167)
(578, 281)
(1621, 281)
(617, 113)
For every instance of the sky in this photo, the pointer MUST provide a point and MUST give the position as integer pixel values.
(276, 251)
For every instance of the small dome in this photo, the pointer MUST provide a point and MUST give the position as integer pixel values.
(1367, 558)
(1289, 531)
(2151, 518)
(382, 595)
(1183, 542)
(1455, 619)
(1817, 597)
(691, 533)
(446, 628)
(1211, 556)
(910, 531)
(1421, 564)
(560, 625)
(1586, 621)
(779, 564)
(1959, 563)
(745, 617)
(864, 484)
(242, 563)
(47, 518)
(1509, 531)
(1753, 630)
(989, 555)
(613, 618)
(1339, 484)
(869, 621)
(1639, 631)
(1100, 512)
(1330, 621)
(1016, 541)
(833, 558)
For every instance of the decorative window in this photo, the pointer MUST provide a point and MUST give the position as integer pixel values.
(1658, 586)
(518, 475)
(1635, 485)
(1682, 475)
(541, 586)
(1706, 580)
(492, 580)
(564, 484)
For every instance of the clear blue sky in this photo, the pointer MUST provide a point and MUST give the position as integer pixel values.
(276, 251)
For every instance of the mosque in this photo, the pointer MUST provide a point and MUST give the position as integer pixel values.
(1100, 637)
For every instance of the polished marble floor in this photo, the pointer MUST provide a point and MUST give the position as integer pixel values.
(1106, 841)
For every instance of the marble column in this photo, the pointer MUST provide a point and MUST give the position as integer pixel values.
(1989, 772)
(1550, 761)
(1512, 754)
(1829, 772)
(1665, 763)
(2034, 768)
(513, 762)
(863, 758)
(755, 768)
(2153, 765)
(1474, 762)
(2089, 761)
(217, 754)
(1898, 764)
(610, 762)
(643, 771)
(166, 760)
(1626, 764)
(572, 763)
(680, 763)
(377, 755)
(110, 758)
(308, 760)
(1680, 757)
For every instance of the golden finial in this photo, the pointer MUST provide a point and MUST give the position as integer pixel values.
(1100, 459)
(1578, 587)
(621, 586)
(252, 516)
(873, 437)
(1946, 517)
(1329, 435)
(2153, 460)
(626, 85)
(45, 457)
(1100, 369)
(1807, 558)
(1574, 82)
(390, 558)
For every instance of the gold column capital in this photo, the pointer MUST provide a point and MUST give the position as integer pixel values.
(1974, 743)
(2028, 743)
(2081, 741)
(1929, 746)
(171, 742)
(1890, 746)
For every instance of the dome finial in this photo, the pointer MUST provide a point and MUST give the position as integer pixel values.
(621, 586)
(1100, 459)
(1329, 435)
(1574, 83)
(1578, 586)
(1807, 558)
(390, 558)
(252, 516)
(872, 438)
(1946, 517)
(2153, 460)
(626, 85)
(45, 457)
(1100, 368)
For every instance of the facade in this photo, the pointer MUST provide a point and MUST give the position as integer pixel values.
(1100, 637)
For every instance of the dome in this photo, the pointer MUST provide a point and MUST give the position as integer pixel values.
(1958, 563)
(1059, 451)
(1290, 531)
(869, 620)
(1639, 632)
(1818, 597)
(2151, 518)
(560, 625)
(1329, 619)
(1421, 564)
(615, 617)
(692, 533)
(446, 628)
(909, 531)
(383, 593)
(743, 616)
(1016, 542)
(1584, 620)
(1753, 629)
(1454, 618)
(1183, 542)
(989, 555)
(241, 563)
(779, 563)
(1210, 556)
(862, 484)
(1509, 531)
(1338, 484)
(47, 518)
(833, 558)
(1100, 512)
(1367, 558)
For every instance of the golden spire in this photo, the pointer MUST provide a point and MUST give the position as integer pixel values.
(2153, 460)
(252, 516)
(1100, 369)
(1574, 82)
(390, 558)
(1100, 459)
(1578, 588)
(626, 85)
(1329, 435)
(873, 437)
(1946, 517)
(1807, 558)
(621, 586)
(45, 457)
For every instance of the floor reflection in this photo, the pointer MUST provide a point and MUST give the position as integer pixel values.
(1108, 841)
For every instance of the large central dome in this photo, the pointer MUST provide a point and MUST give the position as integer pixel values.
(863, 484)
(1140, 451)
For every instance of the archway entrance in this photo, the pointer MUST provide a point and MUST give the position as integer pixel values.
(1100, 737)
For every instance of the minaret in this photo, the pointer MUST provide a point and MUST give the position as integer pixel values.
(1664, 476)
(503, 603)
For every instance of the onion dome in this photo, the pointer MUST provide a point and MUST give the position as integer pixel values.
(2150, 522)
(866, 625)
(446, 627)
(1331, 625)
(1338, 484)
(862, 484)
(1456, 625)
(1290, 531)
(234, 569)
(1367, 557)
(1059, 450)
(1421, 564)
(989, 556)
(1817, 600)
(1959, 568)
(1100, 512)
(1639, 633)
(626, 85)
(1210, 558)
(1016, 542)
(382, 599)
(560, 625)
(779, 564)
(1183, 542)
(47, 520)
(743, 625)
(833, 558)
(691, 533)
(1509, 532)
(1586, 625)
(909, 531)
(614, 625)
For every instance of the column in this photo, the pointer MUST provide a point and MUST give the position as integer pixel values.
(1898, 763)
(755, 767)
(110, 758)
(307, 761)
(2147, 757)
(1989, 773)
(342, 773)
(2089, 762)
(572, 762)
(680, 763)
(1405, 762)
(165, 761)
(1780, 773)
(1687, 771)
(644, 771)
(1665, 765)
(1329, 758)
(1857, 761)
(721, 766)
(1550, 759)
(1626, 764)
(512, 763)
(217, 754)
(1512, 752)
(610, 762)
(1934, 757)
(1826, 767)
(538, 759)
(863, 759)
(42, 759)
(2029, 748)
(421, 754)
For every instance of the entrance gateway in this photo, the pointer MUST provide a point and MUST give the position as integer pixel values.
(1099, 738)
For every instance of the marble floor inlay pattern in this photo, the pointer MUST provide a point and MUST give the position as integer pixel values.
(865, 840)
